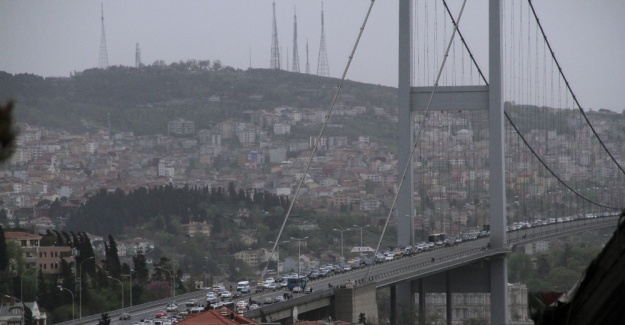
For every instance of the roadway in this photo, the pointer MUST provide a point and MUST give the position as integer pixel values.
(387, 273)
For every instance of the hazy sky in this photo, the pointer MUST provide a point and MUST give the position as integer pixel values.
(52, 38)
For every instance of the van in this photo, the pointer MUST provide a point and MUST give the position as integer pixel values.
(243, 284)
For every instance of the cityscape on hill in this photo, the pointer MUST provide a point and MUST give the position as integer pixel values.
(209, 157)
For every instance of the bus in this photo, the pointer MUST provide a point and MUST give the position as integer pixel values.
(299, 281)
(436, 238)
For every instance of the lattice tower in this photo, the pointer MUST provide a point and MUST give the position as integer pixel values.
(104, 58)
(275, 49)
(322, 64)
(295, 66)
(307, 65)
(137, 56)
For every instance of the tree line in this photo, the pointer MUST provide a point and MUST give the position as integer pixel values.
(109, 212)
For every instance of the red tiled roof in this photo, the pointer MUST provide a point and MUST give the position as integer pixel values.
(214, 317)
(20, 234)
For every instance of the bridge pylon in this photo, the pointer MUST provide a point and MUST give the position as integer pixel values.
(454, 98)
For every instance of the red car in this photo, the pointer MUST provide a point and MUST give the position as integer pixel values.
(160, 313)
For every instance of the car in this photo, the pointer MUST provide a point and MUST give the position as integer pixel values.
(297, 289)
(171, 307)
(160, 313)
(196, 309)
(272, 286)
(254, 306)
(267, 301)
(125, 316)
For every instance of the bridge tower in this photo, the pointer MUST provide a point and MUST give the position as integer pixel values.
(411, 99)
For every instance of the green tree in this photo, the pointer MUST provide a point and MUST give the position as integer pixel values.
(7, 131)
(4, 258)
(105, 319)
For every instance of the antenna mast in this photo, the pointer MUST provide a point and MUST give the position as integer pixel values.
(307, 65)
(322, 65)
(137, 56)
(275, 49)
(295, 67)
(104, 58)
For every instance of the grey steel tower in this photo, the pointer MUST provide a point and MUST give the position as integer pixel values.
(104, 58)
(137, 56)
(275, 49)
(295, 67)
(307, 65)
(322, 63)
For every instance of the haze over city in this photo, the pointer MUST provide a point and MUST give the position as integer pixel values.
(60, 37)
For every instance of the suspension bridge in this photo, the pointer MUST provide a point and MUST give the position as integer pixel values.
(504, 143)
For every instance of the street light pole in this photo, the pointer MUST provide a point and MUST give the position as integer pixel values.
(122, 284)
(299, 254)
(80, 286)
(73, 304)
(361, 232)
(173, 291)
(341, 231)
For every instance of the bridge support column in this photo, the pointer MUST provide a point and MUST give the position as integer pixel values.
(448, 306)
(422, 309)
(352, 301)
(499, 290)
(402, 303)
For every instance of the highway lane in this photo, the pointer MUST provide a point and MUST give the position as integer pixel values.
(443, 257)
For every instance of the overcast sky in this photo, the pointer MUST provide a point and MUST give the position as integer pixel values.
(53, 38)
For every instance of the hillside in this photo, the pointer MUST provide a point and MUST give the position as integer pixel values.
(142, 100)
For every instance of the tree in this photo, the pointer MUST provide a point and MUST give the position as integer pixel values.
(28, 316)
(105, 319)
(7, 131)
(4, 258)
(140, 267)
(113, 265)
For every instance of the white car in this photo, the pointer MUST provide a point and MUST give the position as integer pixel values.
(171, 307)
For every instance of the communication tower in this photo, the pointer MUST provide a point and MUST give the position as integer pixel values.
(322, 63)
(307, 65)
(275, 49)
(137, 56)
(295, 67)
(104, 58)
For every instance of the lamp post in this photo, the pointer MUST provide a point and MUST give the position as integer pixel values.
(361, 232)
(278, 259)
(80, 286)
(341, 231)
(73, 304)
(122, 284)
(173, 291)
(299, 254)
